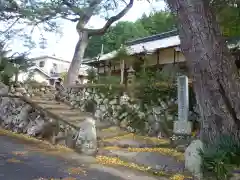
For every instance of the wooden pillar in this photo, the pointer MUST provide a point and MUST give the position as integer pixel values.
(122, 66)
(174, 56)
(158, 59)
(109, 68)
(104, 67)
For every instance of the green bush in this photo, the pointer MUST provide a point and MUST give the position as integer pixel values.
(220, 158)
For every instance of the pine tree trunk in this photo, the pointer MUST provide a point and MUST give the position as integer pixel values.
(212, 67)
(80, 48)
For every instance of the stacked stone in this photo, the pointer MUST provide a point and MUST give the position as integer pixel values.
(109, 109)
(17, 115)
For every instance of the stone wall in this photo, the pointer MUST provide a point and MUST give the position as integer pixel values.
(108, 103)
(113, 104)
(18, 115)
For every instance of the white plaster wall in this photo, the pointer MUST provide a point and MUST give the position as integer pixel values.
(61, 66)
(37, 76)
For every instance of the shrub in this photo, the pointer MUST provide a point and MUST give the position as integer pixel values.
(220, 158)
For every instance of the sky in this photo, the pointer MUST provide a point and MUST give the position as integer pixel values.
(63, 46)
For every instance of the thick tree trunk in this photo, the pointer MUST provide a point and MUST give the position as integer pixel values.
(80, 48)
(214, 73)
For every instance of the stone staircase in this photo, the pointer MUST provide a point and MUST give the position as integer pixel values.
(64, 112)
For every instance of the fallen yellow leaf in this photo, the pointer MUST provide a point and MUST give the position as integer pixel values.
(76, 170)
(19, 153)
(13, 160)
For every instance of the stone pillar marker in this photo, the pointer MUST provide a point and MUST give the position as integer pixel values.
(183, 98)
(182, 125)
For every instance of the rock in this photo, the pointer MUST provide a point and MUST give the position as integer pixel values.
(193, 159)
(181, 148)
(21, 90)
(3, 89)
(18, 94)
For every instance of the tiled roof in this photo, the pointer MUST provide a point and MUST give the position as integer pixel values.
(148, 44)
(153, 38)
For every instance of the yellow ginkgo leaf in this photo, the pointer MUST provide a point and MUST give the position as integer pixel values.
(13, 160)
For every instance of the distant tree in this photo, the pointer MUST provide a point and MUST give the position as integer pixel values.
(124, 31)
(116, 35)
(11, 65)
(228, 15)
(158, 22)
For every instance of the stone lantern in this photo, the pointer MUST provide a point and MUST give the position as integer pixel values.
(131, 76)
(130, 81)
(81, 78)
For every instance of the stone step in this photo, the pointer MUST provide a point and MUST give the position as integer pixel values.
(43, 101)
(125, 139)
(67, 112)
(59, 107)
(102, 134)
(153, 160)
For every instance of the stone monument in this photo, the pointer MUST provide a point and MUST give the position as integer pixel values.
(182, 125)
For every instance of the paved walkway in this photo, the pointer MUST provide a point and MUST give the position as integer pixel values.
(20, 161)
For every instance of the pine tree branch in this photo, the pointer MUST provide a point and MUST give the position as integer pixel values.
(113, 19)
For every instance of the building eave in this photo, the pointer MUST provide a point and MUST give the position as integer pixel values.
(51, 57)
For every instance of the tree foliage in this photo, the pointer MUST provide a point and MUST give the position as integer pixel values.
(19, 19)
(12, 65)
(124, 31)
(228, 15)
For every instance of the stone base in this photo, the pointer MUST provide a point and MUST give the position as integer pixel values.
(182, 127)
(181, 141)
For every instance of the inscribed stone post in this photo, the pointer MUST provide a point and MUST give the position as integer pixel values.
(87, 136)
(182, 125)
